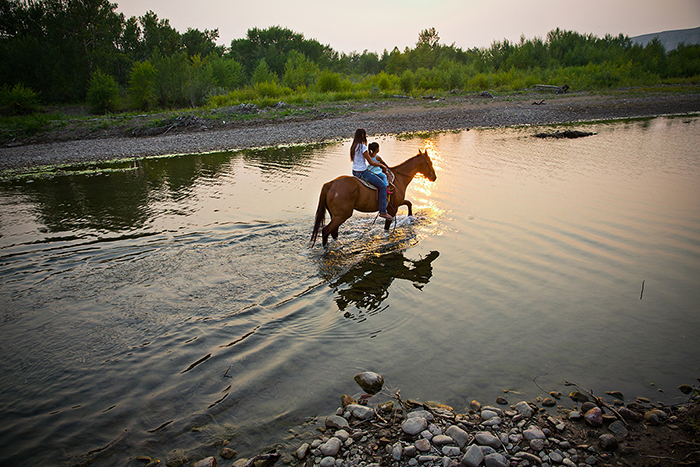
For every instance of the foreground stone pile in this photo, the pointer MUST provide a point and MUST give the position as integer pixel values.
(433, 435)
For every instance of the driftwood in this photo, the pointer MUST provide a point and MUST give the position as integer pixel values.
(564, 134)
(554, 89)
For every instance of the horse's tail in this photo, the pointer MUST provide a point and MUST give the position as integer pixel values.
(320, 212)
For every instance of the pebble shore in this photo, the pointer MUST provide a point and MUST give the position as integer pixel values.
(388, 116)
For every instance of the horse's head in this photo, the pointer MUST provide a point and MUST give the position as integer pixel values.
(426, 168)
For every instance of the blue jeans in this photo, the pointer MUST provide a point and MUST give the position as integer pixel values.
(375, 180)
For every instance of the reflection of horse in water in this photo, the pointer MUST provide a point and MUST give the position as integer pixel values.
(346, 193)
(369, 281)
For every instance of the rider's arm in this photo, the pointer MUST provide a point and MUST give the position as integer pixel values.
(371, 162)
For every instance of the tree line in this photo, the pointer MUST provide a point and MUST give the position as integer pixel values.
(69, 51)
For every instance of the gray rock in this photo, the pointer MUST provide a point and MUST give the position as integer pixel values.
(495, 421)
(460, 436)
(327, 461)
(426, 434)
(498, 411)
(487, 414)
(336, 421)
(423, 445)
(533, 433)
(568, 462)
(331, 447)
(441, 440)
(208, 462)
(484, 438)
(607, 442)
(495, 460)
(421, 413)
(423, 459)
(451, 451)
(410, 450)
(473, 456)
(556, 457)
(370, 381)
(397, 451)
(618, 429)
(414, 425)
(537, 445)
(524, 409)
(302, 451)
(575, 415)
(342, 435)
(361, 412)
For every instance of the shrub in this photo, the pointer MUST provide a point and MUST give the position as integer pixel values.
(142, 85)
(407, 81)
(19, 100)
(103, 93)
(329, 81)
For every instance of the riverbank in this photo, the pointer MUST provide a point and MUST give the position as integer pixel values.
(580, 429)
(244, 126)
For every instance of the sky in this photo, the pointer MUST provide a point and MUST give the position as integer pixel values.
(376, 25)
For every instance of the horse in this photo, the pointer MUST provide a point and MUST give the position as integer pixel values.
(346, 193)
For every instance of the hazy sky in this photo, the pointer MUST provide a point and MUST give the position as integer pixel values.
(376, 25)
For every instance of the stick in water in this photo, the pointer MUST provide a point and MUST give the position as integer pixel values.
(642, 294)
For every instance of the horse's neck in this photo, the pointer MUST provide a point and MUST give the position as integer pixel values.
(408, 169)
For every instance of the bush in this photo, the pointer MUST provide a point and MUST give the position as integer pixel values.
(407, 81)
(19, 100)
(142, 85)
(103, 93)
(329, 82)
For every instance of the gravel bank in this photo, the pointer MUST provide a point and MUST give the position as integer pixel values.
(393, 116)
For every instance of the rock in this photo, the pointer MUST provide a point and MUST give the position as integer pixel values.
(586, 406)
(387, 406)
(533, 433)
(423, 445)
(555, 394)
(618, 429)
(578, 396)
(441, 440)
(486, 414)
(607, 442)
(475, 406)
(414, 425)
(616, 394)
(327, 461)
(331, 447)
(495, 460)
(484, 438)
(451, 451)
(336, 421)
(228, 453)
(575, 415)
(655, 416)
(501, 400)
(685, 388)
(549, 402)
(396, 451)
(302, 451)
(594, 417)
(473, 456)
(556, 457)
(460, 437)
(208, 462)
(346, 400)
(629, 415)
(533, 459)
(524, 409)
(537, 445)
(421, 413)
(495, 421)
(370, 381)
(240, 462)
(361, 412)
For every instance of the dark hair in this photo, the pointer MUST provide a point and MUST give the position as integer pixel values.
(360, 137)
(373, 146)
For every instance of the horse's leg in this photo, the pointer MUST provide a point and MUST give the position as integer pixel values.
(409, 205)
(332, 227)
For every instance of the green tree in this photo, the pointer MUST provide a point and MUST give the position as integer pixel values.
(227, 72)
(263, 74)
(103, 93)
(142, 85)
(299, 71)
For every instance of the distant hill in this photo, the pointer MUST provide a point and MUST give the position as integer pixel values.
(671, 39)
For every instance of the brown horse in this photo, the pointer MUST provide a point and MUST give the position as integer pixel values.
(346, 193)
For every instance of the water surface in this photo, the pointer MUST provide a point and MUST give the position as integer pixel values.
(172, 303)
